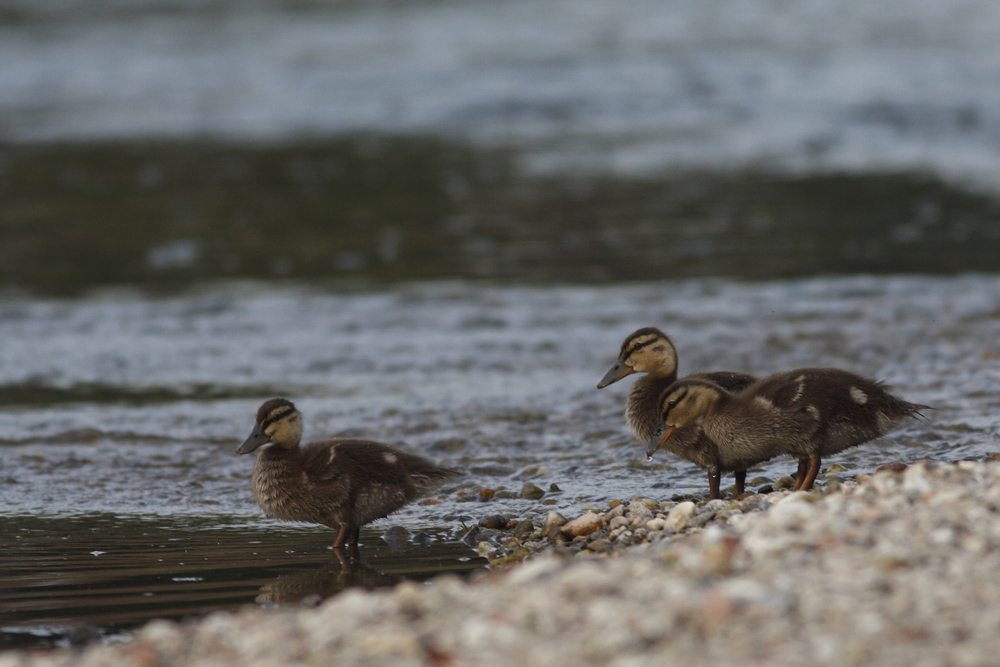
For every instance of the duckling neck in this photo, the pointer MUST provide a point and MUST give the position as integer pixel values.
(642, 411)
(278, 471)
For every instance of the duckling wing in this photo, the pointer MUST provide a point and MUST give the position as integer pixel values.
(375, 479)
(731, 381)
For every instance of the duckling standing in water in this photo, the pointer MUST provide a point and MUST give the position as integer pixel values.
(650, 351)
(343, 484)
(808, 413)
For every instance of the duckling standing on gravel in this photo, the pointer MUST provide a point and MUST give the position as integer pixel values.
(343, 484)
(650, 351)
(808, 413)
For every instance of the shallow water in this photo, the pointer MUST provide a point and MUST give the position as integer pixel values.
(126, 410)
(68, 580)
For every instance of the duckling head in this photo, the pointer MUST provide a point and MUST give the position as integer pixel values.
(683, 403)
(277, 421)
(647, 350)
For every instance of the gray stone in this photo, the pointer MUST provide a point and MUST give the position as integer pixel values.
(531, 491)
(553, 522)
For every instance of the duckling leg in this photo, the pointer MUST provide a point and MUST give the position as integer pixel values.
(800, 476)
(347, 534)
(713, 483)
(807, 483)
(741, 481)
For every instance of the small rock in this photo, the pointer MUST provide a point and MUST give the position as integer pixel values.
(550, 501)
(553, 522)
(680, 515)
(531, 491)
(764, 490)
(638, 511)
(655, 524)
(783, 483)
(700, 520)
(583, 525)
(494, 521)
(429, 501)
(616, 511)
(486, 494)
(836, 468)
(554, 488)
(599, 546)
(523, 529)
(617, 522)
(614, 503)
(624, 538)
(892, 467)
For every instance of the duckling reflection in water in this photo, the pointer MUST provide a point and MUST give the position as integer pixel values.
(808, 413)
(323, 583)
(649, 350)
(342, 484)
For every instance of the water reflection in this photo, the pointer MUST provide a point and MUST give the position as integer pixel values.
(68, 579)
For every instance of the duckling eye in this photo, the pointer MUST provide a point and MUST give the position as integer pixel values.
(672, 404)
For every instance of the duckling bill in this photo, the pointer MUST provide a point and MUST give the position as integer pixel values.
(343, 483)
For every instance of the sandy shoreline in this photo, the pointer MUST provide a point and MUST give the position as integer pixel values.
(900, 568)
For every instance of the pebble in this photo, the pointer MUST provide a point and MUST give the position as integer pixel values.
(680, 515)
(583, 525)
(553, 522)
(532, 491)
(523, 529)
(639, 511)
(897, 568)
(495, 521)
(617, 522)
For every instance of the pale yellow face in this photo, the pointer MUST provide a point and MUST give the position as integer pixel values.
(686, 403)
(650, 353)
(284, 430)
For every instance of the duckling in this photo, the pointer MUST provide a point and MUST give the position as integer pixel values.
(807, 412)
(343, 484)
(651, 351)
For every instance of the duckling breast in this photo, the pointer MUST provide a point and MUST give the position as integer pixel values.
(288, 489)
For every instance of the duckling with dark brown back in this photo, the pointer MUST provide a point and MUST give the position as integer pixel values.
(808, 413)
(342, 484)
(649, 350)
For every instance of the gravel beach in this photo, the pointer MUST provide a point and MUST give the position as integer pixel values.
(898, 568)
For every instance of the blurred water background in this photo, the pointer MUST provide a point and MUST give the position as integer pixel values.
(432, 223)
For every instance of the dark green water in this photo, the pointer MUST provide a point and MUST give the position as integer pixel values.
(376, 210)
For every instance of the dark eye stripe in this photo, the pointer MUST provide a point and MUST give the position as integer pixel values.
(275, 418)
(639, 346)
(674, 403)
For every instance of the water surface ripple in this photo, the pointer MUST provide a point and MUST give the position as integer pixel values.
(499, 382)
